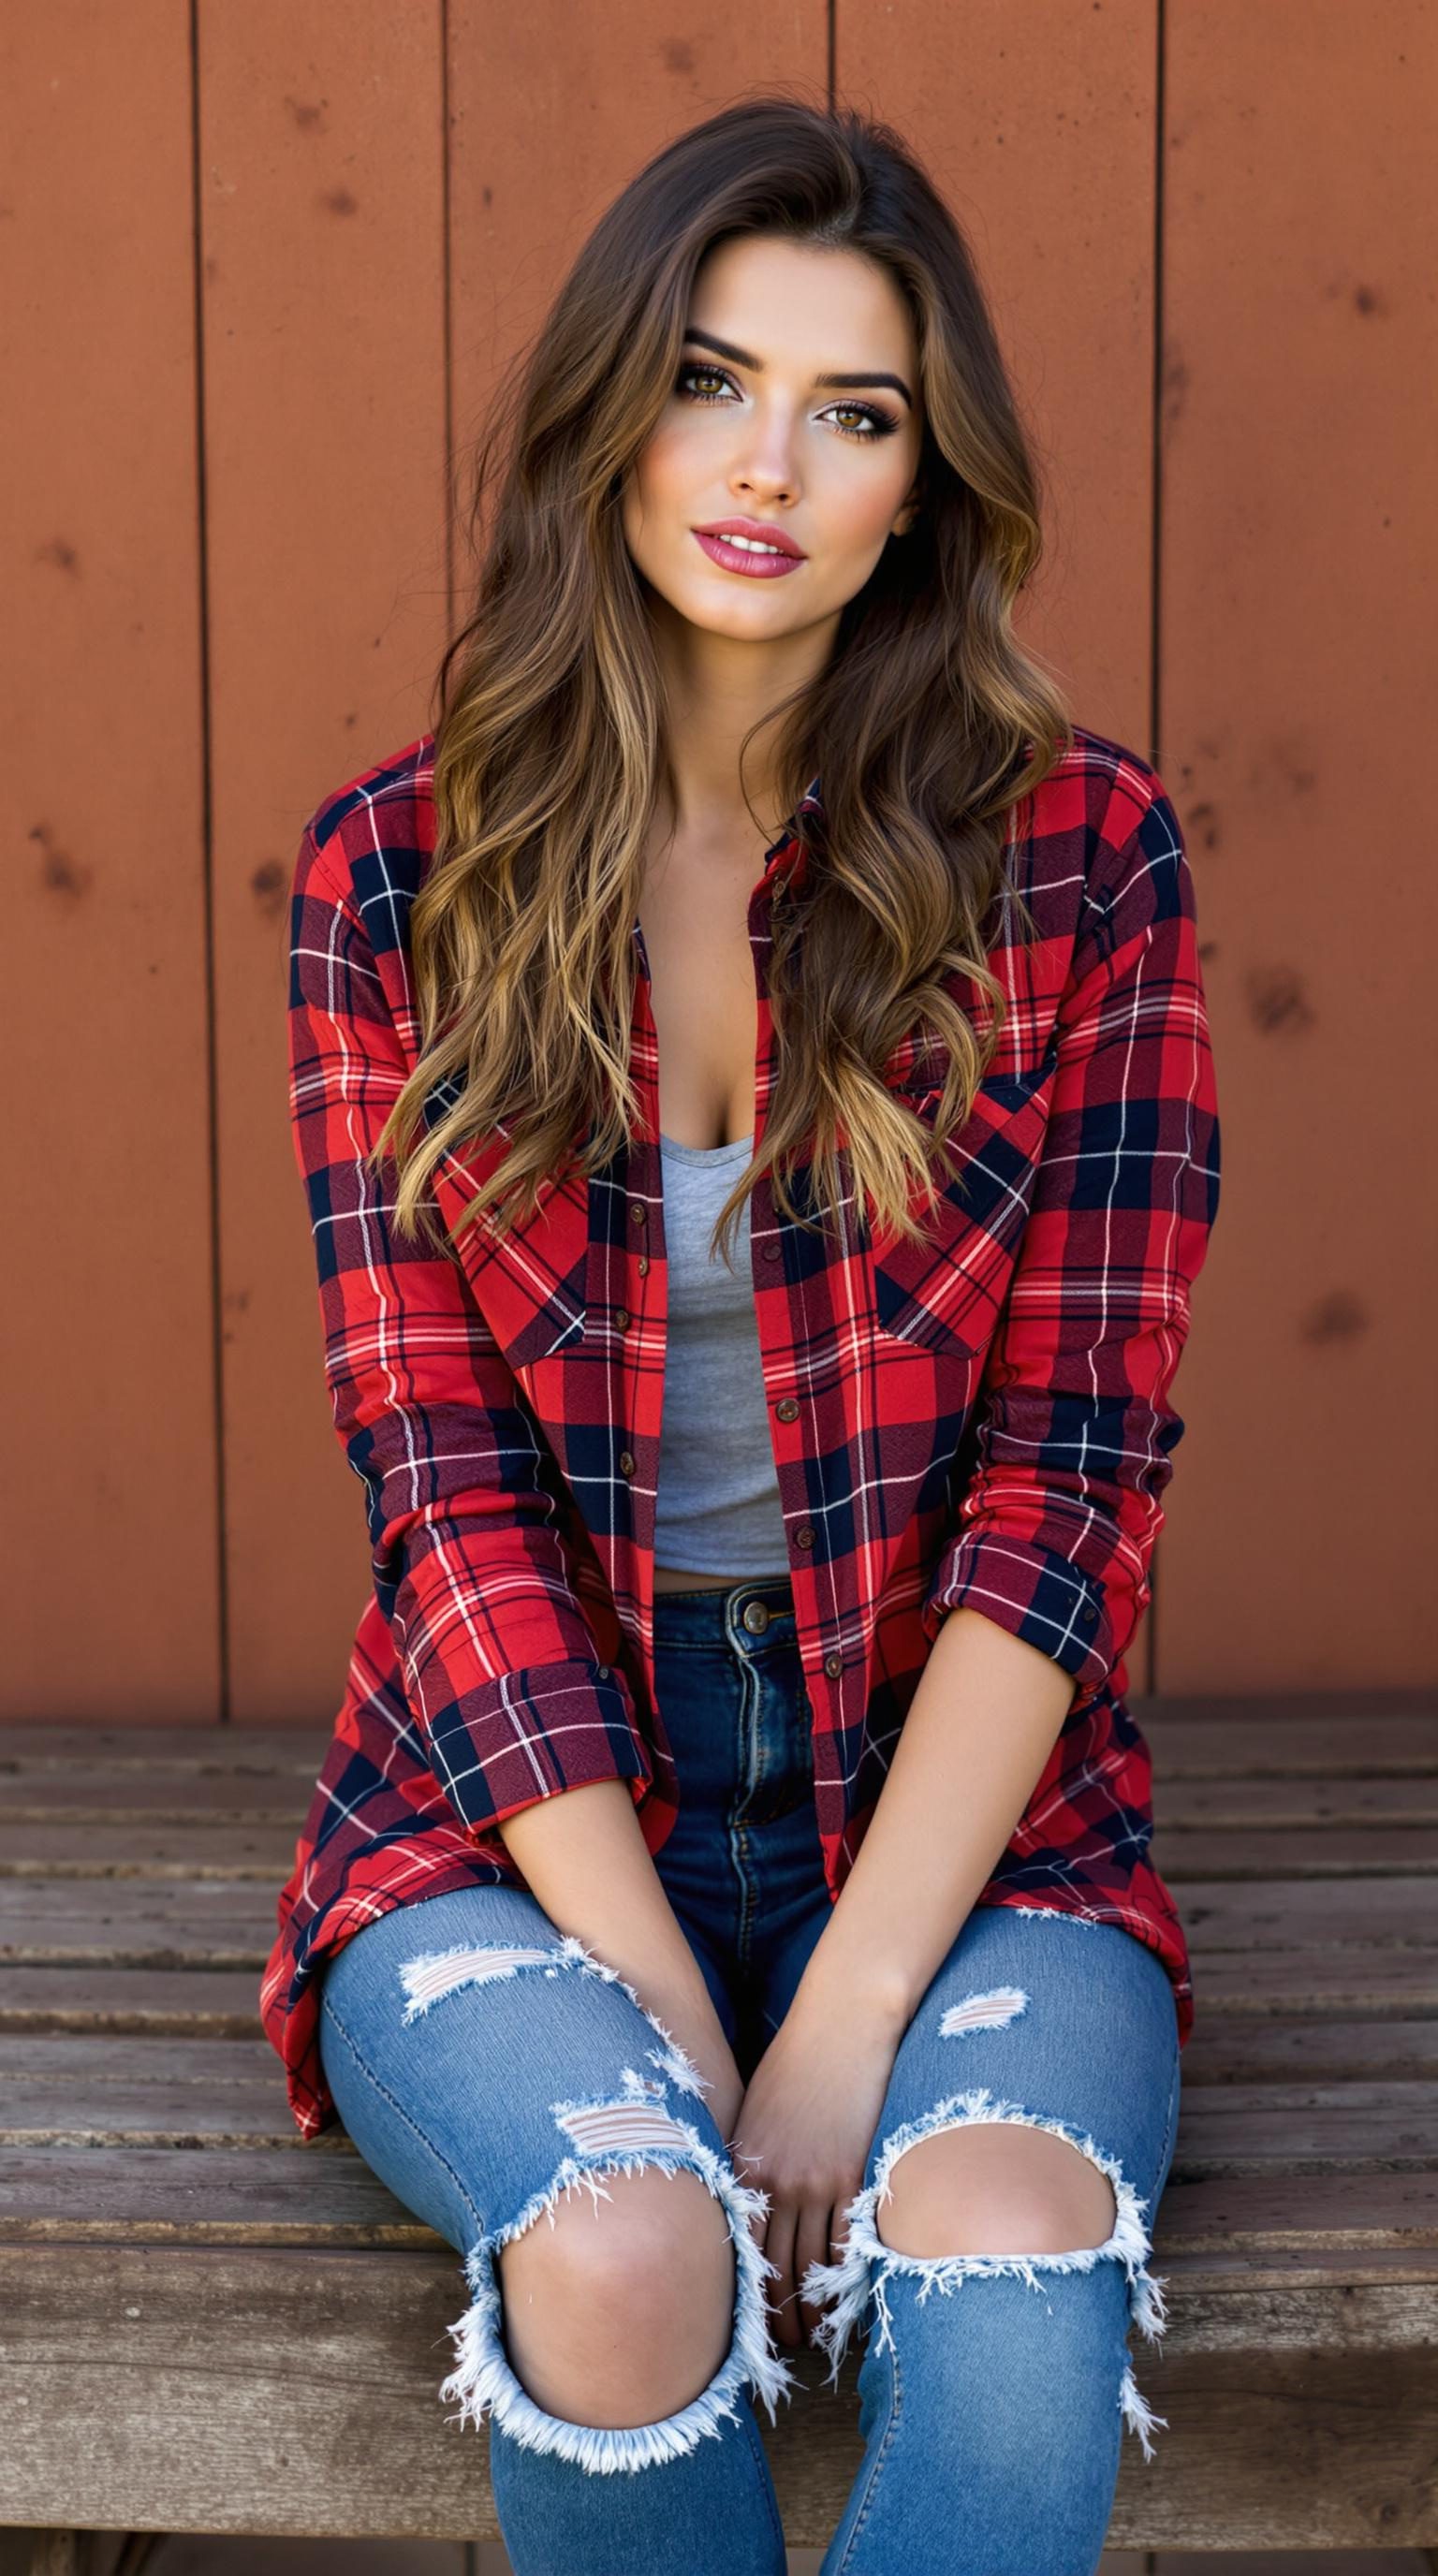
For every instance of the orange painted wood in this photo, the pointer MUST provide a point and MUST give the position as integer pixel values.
(111, 1555)
(1299, 555)
(1236, 583)
(321, 149)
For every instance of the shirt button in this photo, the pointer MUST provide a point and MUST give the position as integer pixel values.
(1089, 1612)
(833, 1666)
(804, 1537)
(621, 1319)
(771, 1251)
(643, 1265)
(636, 1211)
(626, 1463)
(787, 1409)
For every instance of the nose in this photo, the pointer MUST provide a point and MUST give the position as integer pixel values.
(769, 487)
(767, 470)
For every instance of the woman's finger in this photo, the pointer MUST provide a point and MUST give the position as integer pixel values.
(780, 2250)
(812, 2246)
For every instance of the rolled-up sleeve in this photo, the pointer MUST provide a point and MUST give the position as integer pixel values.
(500, 1665)
(1075, 1429)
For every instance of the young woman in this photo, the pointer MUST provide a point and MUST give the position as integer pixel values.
(751, 1078)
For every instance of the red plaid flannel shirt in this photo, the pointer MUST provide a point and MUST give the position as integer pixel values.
(985, 1420)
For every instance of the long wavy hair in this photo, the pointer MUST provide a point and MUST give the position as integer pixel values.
(926, 728)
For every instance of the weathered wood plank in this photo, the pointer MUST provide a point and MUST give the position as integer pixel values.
(1266, 2057)
(148, 2115)
(1254, 1806)
(92, 1994)
(325, 2196)
(138, 1843)
(46, 1799)
(1262, 2215)
(1306, 2129)
(269, 2196)
(236, 2392)
(201, 1923)
(260, 2427)
(293, 1751)
(1283, 1737)
(1296, 2418)
(1310, 2266)
(1294, 1912)
(89, 2059)
(141, 1848)
(1319, 1982)
(229, 1923)
(1225, 2051)
(130, 1999)
(1284, 1744)
(1347, 1852)
(1223, 2132)
(78, 1906)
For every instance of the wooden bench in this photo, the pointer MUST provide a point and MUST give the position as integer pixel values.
(208, 2326)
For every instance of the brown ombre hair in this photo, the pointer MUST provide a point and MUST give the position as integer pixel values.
(926, 727)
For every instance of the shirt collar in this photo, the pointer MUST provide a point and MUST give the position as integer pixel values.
(787, 856)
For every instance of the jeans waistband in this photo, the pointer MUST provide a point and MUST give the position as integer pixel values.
(741, 1613)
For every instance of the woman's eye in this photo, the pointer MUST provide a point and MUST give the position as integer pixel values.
(875, 422)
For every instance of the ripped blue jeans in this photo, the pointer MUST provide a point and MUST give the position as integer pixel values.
(486, 2064)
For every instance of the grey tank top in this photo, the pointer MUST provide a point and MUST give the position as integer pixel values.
(717, 1509)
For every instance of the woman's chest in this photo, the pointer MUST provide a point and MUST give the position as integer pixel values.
(703, 1003)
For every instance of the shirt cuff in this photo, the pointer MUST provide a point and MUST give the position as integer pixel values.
(533, 1733)
(1035, 1593)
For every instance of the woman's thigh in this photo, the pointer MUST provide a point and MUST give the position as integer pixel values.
(486, 2064)
(1042, 2020)
(461, 2038)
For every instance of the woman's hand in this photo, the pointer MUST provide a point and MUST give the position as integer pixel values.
(803, 2134)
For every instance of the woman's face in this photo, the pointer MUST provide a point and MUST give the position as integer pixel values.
(752, 433)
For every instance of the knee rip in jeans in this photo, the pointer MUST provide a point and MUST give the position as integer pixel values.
(623, 2132)
(867, 2263)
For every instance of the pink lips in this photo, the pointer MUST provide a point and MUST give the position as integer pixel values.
(734, 558)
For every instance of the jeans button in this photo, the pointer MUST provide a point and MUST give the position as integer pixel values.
(756, 1617)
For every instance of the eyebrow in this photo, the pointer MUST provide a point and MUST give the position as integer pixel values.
(741, 358)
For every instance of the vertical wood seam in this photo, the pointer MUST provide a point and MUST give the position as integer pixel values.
(207, 846)
(446, 253)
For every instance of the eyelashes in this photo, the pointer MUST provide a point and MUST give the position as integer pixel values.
(881, 424)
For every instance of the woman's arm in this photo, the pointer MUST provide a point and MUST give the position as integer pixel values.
(501, 1669)
(586, 1861)
(516, 1712)
(975, 1738)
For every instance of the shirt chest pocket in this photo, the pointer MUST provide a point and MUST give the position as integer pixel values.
(946, 1293)
(530, 1281)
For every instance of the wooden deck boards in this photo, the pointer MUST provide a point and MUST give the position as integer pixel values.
(162, 2223)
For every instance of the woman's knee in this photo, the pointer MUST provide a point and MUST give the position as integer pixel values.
(992, 2188)
(622, 2310)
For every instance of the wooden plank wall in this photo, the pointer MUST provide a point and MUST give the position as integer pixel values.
(264, 264)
